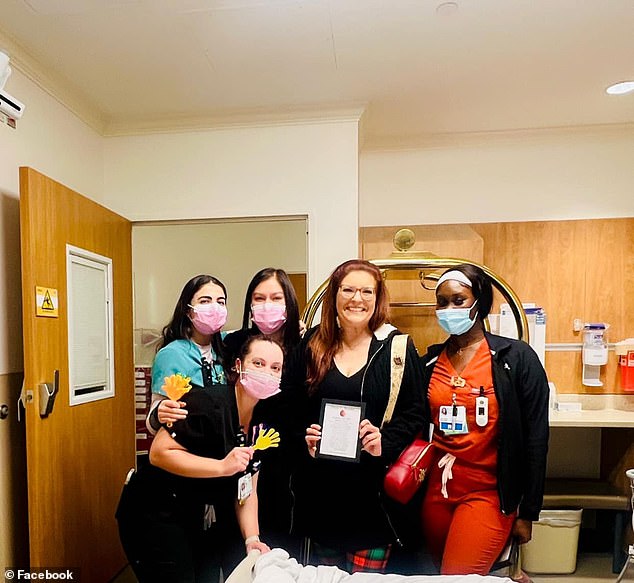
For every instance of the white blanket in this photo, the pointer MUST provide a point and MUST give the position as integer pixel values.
(277, 567)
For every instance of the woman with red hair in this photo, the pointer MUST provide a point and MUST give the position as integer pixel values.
(339, 503)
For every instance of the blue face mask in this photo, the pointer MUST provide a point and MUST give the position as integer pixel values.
(456, 321)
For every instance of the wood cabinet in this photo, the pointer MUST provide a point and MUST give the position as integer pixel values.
(407, 287)
(574, 269)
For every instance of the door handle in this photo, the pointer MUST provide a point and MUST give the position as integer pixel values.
(48, 392)
(4, 411)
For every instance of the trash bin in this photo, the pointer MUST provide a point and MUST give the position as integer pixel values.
(553, 546)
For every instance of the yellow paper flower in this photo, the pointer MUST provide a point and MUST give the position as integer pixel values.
(176, 385)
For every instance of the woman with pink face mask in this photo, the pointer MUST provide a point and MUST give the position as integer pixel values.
(270, 308)
(191, 345)
(206, 460)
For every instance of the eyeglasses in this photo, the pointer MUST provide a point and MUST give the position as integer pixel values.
(348, 292)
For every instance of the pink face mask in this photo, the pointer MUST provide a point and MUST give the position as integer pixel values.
(269, 317)
(259, 384)
(208, 318)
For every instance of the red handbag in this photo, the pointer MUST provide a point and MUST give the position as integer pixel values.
(405, 476)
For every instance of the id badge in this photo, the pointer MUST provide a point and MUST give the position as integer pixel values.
(245, 487)
(482, 411)
(452, 419)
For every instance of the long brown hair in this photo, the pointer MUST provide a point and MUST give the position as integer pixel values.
(326, 341)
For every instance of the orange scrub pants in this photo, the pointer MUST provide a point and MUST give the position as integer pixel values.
(466, 532)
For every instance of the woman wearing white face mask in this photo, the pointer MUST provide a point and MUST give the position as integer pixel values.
(488, 400)
(270, 308)
(191, 345)
(207, 459)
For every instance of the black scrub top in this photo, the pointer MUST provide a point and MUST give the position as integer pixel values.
(210, 430)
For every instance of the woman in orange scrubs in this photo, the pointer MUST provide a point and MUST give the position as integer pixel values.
(488, 398)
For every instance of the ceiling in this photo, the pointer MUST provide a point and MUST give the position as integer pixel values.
(416, 67)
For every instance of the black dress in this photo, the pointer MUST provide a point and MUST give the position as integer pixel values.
(349, 514)
(341, 504)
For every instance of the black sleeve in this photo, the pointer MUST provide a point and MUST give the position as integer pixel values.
(153, 419)
(410, 413)
(294, 395)
(532, 387)
(208, 429)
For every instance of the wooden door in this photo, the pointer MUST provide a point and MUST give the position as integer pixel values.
(78, 456)
(298, 280)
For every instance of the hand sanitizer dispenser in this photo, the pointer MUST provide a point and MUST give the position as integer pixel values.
(595, 353)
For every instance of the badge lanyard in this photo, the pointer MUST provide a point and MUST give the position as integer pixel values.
(453, 418)
(245, 481)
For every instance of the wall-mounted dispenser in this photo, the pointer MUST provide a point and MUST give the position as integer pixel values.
(595, 353)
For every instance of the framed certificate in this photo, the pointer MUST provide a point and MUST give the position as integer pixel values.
(339, 422)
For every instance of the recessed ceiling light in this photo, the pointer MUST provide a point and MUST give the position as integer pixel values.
(620, 88)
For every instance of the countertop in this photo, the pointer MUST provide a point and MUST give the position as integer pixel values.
(597, 411)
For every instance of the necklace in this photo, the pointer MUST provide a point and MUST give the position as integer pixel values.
(460, 350)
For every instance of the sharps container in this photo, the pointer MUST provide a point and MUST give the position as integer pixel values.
(553, 546)
(625, 352)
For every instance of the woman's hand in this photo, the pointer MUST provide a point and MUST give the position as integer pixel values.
(237, 460)
(171, 411)
(313, 435)
(522, 530)
(370, 438)
(258, 546)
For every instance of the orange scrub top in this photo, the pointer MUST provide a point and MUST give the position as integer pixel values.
(478, 447)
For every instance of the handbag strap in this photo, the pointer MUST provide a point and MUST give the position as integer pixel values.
(397, 366)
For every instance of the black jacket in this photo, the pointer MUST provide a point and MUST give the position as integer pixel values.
(521, 388)
(338, 503)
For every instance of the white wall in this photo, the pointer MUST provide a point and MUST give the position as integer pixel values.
(539, 175)
(309, 169)
(188, 250)
(53, 141)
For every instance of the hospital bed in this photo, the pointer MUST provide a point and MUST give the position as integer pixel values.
(277, 567)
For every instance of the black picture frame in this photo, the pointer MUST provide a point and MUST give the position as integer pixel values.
(325, 404)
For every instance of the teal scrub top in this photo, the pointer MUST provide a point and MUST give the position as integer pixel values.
(184, 357)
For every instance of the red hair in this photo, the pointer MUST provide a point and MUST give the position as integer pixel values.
(324, 344)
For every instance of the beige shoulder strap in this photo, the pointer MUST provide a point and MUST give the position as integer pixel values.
(397, 366)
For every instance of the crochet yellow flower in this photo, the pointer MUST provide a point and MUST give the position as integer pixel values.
(176, 385)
